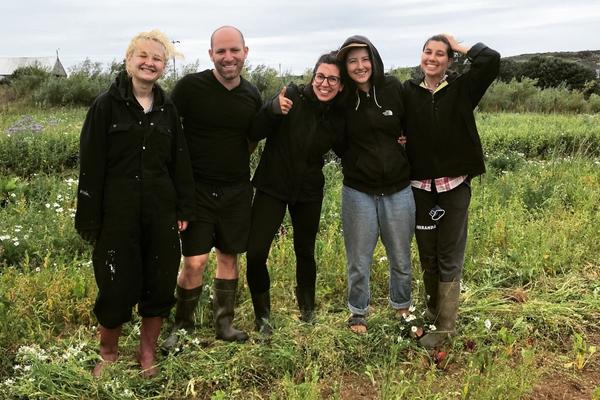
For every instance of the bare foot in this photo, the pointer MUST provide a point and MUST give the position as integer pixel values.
(359, 329)
(99, 367)
(147, 365)
(402, 313)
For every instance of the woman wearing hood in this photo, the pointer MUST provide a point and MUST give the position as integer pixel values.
(135, 193)
(301, 125)
(377, 200)
(445, 153)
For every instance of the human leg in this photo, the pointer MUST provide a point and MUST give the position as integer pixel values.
(396, 215)
(426, 234)
(224, 296)
(359, 221)
(267, 215)
(149, 332)
(305, 222)
(452, 233)
(109, 347)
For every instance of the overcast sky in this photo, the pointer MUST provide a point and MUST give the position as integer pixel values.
(290, 35)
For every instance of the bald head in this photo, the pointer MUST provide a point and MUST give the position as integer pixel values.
(227, 30)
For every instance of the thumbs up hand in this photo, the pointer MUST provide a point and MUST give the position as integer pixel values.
(285, 104)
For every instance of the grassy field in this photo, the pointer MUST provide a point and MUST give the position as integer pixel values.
(530, 301)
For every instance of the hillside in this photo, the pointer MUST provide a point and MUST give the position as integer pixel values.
(588, 58)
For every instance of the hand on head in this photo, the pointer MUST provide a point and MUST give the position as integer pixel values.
(455, 44)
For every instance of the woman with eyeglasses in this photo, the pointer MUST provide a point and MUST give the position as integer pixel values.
(445, 152)
(300, 125)
(376, 197)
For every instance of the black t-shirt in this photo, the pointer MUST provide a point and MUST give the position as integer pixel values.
(216, 122)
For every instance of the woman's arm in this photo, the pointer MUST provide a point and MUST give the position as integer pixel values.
(92, 169)
(485, 67)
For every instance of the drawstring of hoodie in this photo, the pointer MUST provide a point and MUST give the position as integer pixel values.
(358, 98)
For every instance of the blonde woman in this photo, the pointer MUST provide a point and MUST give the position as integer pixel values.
(135, 194)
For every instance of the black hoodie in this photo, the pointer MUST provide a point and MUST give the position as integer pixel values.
(373, 161)
(440, 128)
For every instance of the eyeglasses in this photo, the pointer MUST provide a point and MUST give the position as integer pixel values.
(331, 80)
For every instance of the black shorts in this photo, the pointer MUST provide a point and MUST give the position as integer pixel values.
(222, 220)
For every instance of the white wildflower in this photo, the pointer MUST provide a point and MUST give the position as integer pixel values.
(47, 205)
(432, 327)
(414, 329)
(16, 243)
(382, 259)
(409, 317)
(488, 324)
(412, 309)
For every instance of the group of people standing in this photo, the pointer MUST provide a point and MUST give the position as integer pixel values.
(161, 176)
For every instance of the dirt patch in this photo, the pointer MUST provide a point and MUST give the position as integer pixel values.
(569, 384)
(353, 387)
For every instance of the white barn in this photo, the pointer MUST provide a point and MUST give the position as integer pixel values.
(8, 65)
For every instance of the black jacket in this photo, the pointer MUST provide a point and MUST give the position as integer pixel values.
(291, 164)
(129, 159)
(442, 138)
(373, 161)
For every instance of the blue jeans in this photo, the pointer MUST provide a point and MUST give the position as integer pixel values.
(365, 217)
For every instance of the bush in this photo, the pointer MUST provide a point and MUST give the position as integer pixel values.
(86, 82)
(24, 81)
(525, 96)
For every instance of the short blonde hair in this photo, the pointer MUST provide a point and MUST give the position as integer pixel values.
(159, 37)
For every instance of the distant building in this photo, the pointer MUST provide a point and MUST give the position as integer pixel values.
(8, 65)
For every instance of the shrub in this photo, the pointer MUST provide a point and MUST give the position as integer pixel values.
(525, 96)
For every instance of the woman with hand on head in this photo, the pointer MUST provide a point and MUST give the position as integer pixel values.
(135, 194)
(376, 197)
(301, 125)
(445, 152)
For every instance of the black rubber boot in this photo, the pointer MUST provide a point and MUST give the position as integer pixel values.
(430, 281)
(262, 312)
(223, 311)
(447, 307)
(306, 303)
(187, 301)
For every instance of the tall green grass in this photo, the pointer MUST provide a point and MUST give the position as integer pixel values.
(529, 304)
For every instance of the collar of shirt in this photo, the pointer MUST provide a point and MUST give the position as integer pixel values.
(443, 83)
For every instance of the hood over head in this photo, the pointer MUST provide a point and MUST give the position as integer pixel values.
(354, 41)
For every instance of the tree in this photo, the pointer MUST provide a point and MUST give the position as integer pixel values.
(552, 72)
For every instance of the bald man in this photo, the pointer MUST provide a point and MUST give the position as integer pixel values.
(217, 107)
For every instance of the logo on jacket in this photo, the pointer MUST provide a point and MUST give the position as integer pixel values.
(388, 113)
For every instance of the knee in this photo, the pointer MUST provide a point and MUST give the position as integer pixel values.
(429, 264)
(195, 265)
(227, 262)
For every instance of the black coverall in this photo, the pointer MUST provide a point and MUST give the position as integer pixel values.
(135, 182)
